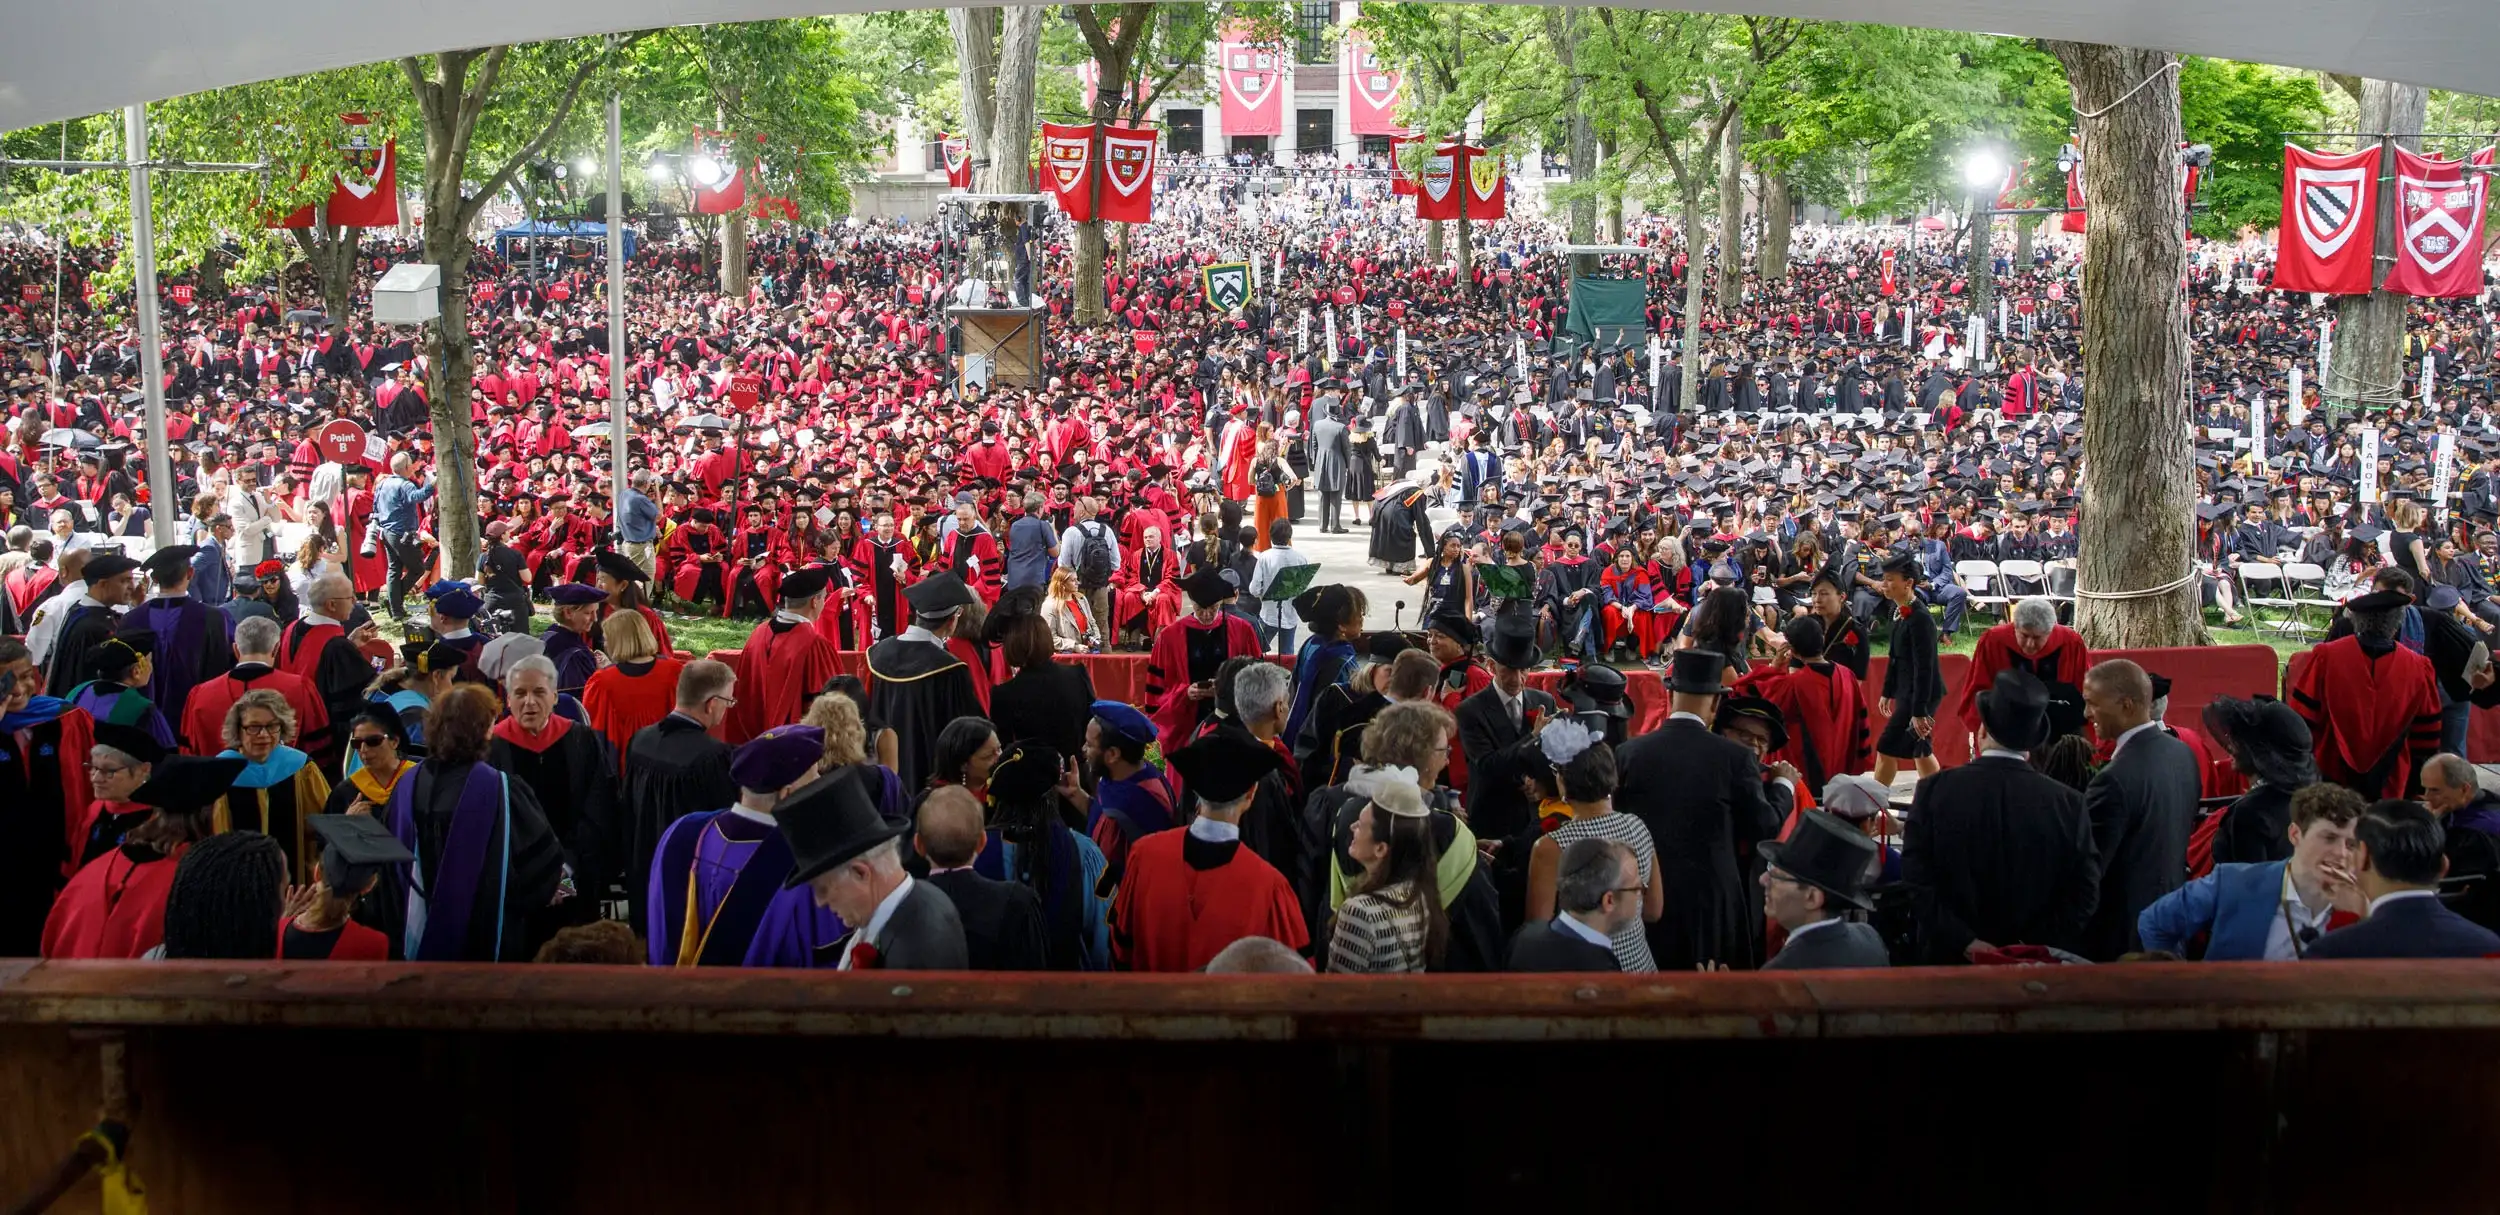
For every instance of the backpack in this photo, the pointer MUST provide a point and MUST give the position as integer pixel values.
(1093, 566)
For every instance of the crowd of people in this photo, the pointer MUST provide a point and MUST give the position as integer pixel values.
(898, 770)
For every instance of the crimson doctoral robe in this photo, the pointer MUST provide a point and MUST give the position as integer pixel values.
(784, 665)
(2367, 708)
(1183, 899)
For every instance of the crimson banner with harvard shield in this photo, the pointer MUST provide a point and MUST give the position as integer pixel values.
(1372, 89)
(1067, 160)
(1445, 178)
(2439, 226)
(1406, 155)
(1128, 174)
(364, 194)
(1252, 78)
(2330, 221)
(1887, 283)
(957, 151)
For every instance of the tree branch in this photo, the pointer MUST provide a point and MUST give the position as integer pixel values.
(556, 115)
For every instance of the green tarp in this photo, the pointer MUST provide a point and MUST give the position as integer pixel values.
(1607, 311)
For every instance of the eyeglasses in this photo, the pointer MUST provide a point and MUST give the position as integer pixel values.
(260, 727)
(106, 769)
(731, 701)
(367, 740)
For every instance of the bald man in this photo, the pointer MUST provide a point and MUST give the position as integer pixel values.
(1002, 920)
(2142, 805)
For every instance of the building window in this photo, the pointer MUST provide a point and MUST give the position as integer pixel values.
(1315, 132)
(1184, 132)
(1312, 32)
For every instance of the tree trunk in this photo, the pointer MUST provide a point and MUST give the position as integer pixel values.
(333, 254)
(2370, 329)
(1613, 210)
(1731, 283)
(1694, 271)
(1011, 136)
(448, 380)
(2138, 479)
(1432, 242)
(1772, 258)
(733, 226)
(976, 71)
(1090, 252)
(1581, 150)
(2024, 226)
(1978, 267)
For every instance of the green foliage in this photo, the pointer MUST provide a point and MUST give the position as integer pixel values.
(2242, 109)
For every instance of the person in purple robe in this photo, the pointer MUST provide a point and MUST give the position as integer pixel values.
(796, 934)
(119, 670)
(486, 859)
(716, 871)
(194, 642)
(569, 641)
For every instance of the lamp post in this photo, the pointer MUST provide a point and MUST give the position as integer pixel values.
(1984, 172)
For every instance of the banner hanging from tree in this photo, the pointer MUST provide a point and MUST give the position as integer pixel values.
(1373, 89)
(1067, 160)
(1406, 157)
(728, 195)
(364, 192)
(1442, 182)
(2072, 159)
(1485, 179)
(1252, 79)
(1128, 174)
(2330, 221)
(1887, 283)
(956, 151)
(2439, 226)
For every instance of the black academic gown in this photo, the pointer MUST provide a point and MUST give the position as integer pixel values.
(673, 768)
(1701, 797)
(915, 688)
(88, 626)
(32, 843)
(536, 865)
(575, 779)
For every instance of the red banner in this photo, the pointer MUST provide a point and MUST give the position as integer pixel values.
(181, 293)
(1445, 177)
(1067, 160)
(1253, 82)
(1406, 153)
(2330, 221)
(1887, 284)
(2439, 226)
(727, 197)
(365, 194)
(29, 292)
(1373, 89)
(1485, 179)
(2072, 220)
(957, 153)
(1128, 174)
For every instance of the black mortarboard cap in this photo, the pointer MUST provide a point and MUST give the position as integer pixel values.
(1224, 767)
(353, 848)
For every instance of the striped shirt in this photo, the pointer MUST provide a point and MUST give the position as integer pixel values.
(1632, 941)
(1380, 933)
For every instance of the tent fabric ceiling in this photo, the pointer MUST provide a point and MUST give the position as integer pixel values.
(62, 60)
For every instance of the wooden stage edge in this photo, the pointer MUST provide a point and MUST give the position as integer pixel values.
(1767, 1006)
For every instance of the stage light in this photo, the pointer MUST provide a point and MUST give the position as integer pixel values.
(707, 171)
(587, 167)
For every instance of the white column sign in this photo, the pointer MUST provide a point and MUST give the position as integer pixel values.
(2369, 464)
(1328, 330)
(1653, 370)
(1401, 353)
(2299, 407)
(2444, 474)
(2257, 430)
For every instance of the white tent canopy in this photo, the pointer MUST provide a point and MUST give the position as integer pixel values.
(63, 60)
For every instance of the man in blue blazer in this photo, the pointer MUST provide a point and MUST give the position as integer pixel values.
(2271, 911)
(2401, 857)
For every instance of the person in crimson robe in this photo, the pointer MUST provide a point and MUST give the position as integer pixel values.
(1186, 894)
(2032, 641)
(256, 647)
(971, 553)
(2372, 706)
(1821, 703)
(849, 618)
(351, 512)
(279, 789)
(1146, 593)
(570, 642)
(115, 906)
(635, 690)
(572, 770)
(717, 871)
(29, 584)
(693, 553)
(122, 759)
(622, 581)
(319, 648)
(1180, 669)
(755, 555)
(881, 563)
(1453, 641)
(786, 661)
(568, 544)
(916, 684)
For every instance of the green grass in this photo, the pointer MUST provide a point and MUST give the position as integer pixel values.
(2284, 647)
(701, 635)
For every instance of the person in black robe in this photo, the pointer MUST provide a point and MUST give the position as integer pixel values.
(1401, 529)
(91, 621)
(489, 860)
(193, 642)
(674, 768)
(44, 748)
(573, 771)
(916, 684)
(322, 648)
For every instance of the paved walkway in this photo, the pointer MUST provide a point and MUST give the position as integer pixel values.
(1346, 559)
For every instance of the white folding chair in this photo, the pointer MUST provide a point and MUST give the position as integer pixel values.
(2304, 582)
(2261, 586)
(1979, 581)
(2021, 579)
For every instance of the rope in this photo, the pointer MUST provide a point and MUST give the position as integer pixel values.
(2146, 593)
(2171, 66)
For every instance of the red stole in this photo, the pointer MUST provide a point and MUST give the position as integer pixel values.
(510, 730)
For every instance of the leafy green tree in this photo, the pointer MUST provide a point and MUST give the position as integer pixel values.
(2242, 110)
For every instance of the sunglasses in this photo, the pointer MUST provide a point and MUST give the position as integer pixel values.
(368, 740)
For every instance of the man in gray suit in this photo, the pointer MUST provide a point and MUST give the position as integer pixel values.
(1330, 455)
(2142, 805)
(1809, 881)
(848, 855)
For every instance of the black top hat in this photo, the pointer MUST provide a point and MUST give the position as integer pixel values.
(1223, 766)
(1457, 628)
(1605, 686)
(1754, 708)
(1513, 643)
(1825, 853)
(1206, 586)
(2015, 710)
(1696, 673)
(829, 822)
(2265, 739)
